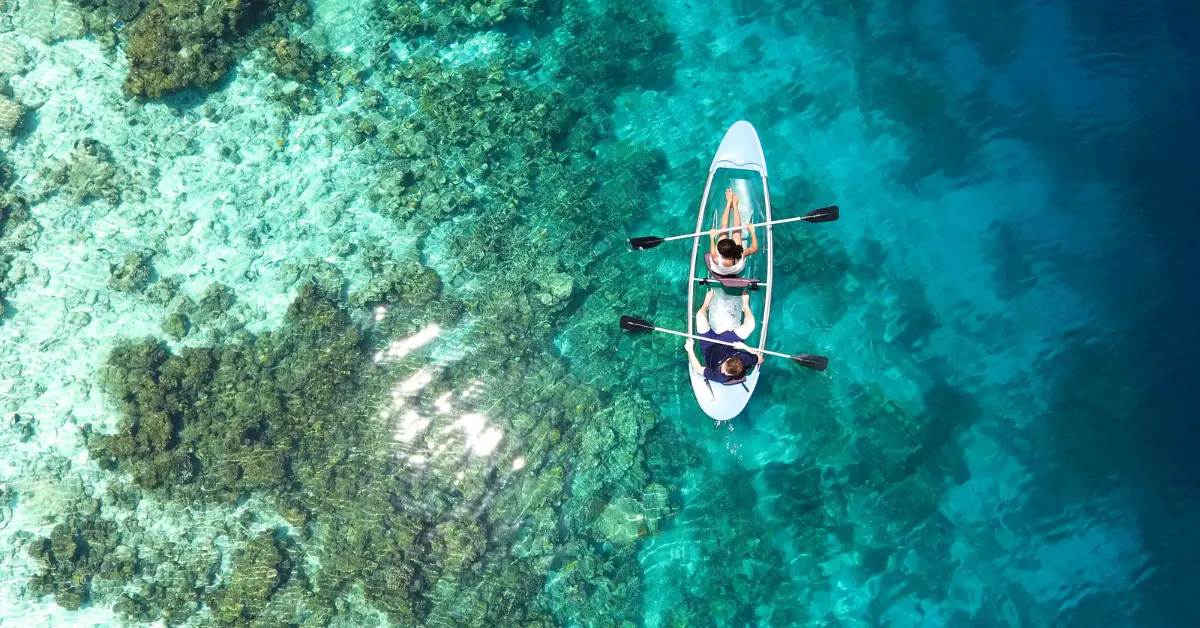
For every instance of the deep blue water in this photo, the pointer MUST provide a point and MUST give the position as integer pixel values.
(1013, 269)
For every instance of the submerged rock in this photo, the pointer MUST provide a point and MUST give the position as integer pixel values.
(50, 20)
(133, 274)
(91, 172)
(79, 318)
(176, 326)
(14, 59)
(560, 285)
(11, 112)
(623, 521)
(214, 303)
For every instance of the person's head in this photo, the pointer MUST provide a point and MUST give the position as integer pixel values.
(729, 249)
(733, 367)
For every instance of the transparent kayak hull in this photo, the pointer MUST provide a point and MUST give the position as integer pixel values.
(739, 164)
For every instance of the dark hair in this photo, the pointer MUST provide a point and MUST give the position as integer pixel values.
(729, 249)
(735, 366)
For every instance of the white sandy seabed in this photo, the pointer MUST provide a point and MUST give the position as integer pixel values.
(256, 224)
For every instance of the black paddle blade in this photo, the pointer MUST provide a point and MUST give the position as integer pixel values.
(629, 323)
(645, 242)
(814, 362)
(825, 214)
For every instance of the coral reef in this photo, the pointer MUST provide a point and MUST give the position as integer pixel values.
(513, 138)
(76, 551)
(163, 290)
(112, 11)
(259, 569)
(176, 44)
(18, 235)
(191, 441)
(295, 59)
(293, 415)
(455, 18)
(176, 326)
(465, 495)
(649, 51)
(133, 273)
(214, 303)
(940, 140)
(11, 112)
(91, 172)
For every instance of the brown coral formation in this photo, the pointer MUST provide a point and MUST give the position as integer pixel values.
(176, 44)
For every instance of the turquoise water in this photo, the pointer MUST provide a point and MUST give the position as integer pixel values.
(313, 320)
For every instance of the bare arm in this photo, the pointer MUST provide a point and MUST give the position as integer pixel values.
(736, 233)
(744, 347)
(729, 202)
(697, 367)
(712, 237)
(753, 243)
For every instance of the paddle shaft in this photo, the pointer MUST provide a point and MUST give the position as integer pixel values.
(757, 224)
(719, 342)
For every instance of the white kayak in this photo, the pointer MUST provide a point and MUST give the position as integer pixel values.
(739, 164)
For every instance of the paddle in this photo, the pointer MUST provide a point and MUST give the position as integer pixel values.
(825, 214)
(815, 362)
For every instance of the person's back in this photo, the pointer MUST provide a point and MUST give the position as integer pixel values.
(723, 363)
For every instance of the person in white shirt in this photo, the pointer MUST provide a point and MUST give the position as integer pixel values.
(727, 257)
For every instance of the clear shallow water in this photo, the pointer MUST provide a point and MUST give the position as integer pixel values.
(1001, 438)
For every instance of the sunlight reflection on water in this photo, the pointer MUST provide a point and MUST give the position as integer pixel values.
(401, 348)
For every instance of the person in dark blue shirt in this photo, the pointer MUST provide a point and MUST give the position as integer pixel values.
(723, 363)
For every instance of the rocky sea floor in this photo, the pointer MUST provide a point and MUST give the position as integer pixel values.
(309, 317)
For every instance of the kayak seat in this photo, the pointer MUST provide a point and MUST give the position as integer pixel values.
(728, 281)
(736, 283)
